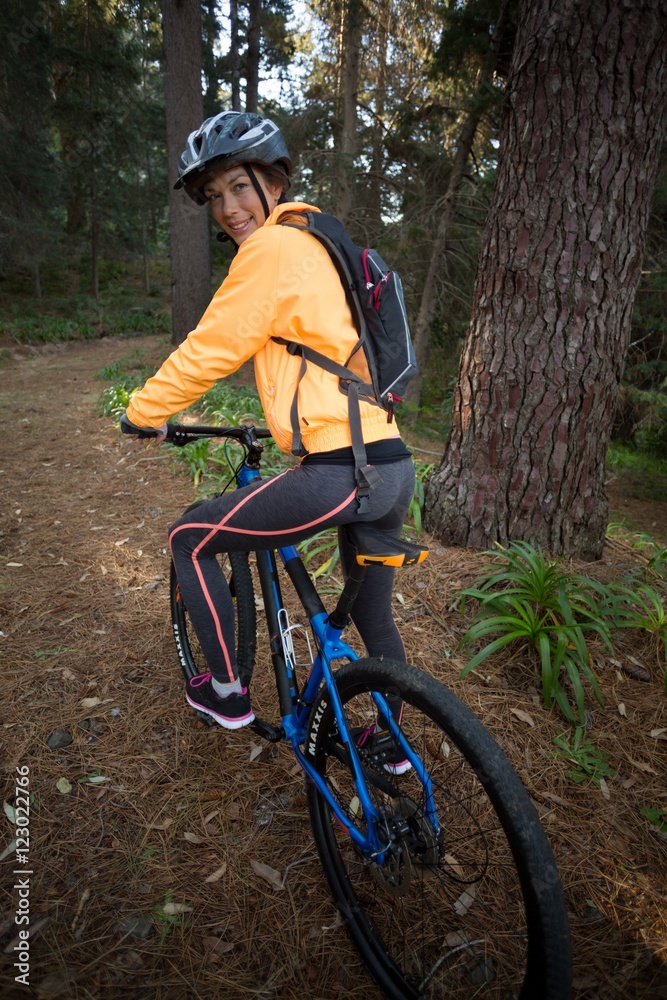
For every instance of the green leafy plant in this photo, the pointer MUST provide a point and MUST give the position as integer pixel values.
(48, 329)
(129, 364)
(126, 375)
(43, 654)
(647, 468)
(644, 608)
(196, 456)
(657, 566)
(323, 544)
(166, 916)
(415, 510)
(588, 763)
(85, 324)
(656, 817)
(635, 539)
(115, 399)
(231, 404)
(526, 597)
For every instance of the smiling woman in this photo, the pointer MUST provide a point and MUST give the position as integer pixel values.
(282, 286)
(236, 205)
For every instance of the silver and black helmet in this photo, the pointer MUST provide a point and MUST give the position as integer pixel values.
(224, 140)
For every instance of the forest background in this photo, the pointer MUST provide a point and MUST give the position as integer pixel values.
(394, 112)
(406, 118)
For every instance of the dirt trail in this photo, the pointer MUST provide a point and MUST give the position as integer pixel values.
(87, 650)
(163, 811)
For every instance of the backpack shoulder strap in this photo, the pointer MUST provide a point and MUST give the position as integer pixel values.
(329, 232)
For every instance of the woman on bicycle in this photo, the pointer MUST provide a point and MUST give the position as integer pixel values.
(281, 283)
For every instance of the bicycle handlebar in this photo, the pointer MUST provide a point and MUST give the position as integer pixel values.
(181, 434)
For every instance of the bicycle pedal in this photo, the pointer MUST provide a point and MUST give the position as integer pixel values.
(274, 734)
(381, 745)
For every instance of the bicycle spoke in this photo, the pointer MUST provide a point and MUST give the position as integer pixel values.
(443, 912)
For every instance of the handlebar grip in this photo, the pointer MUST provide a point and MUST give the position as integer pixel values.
(127, 427)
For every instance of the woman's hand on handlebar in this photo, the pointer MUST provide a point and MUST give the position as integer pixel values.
(159, 434)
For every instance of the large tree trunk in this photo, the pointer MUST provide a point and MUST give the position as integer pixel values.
(188, 224)
(558, 271)
(253, 54)
(464, 145)
(94, 242)
(234, 57)
(345, 139)
(210, 38)
(374, 191)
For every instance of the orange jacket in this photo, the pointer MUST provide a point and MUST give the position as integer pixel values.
(281, 283)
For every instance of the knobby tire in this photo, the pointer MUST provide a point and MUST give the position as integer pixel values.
(474, 911)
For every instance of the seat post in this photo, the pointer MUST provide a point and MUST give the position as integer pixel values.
(340, 615)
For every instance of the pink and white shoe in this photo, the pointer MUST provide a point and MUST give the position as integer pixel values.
(232, 712)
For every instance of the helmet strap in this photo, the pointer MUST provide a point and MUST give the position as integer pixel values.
(258, 188)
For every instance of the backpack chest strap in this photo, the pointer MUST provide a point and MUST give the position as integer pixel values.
(367, 476)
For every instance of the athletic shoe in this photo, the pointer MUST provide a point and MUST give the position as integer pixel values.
(380, 747)
(232, 712)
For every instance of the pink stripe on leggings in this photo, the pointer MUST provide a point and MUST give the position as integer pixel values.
(222, 525)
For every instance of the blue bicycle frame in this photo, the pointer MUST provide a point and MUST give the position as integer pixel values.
(295, 708)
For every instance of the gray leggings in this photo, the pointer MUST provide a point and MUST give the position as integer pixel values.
(273, 513)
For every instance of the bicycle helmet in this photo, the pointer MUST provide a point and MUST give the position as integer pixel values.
(227, 139)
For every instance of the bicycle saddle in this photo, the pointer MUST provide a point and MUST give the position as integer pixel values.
(372, 545)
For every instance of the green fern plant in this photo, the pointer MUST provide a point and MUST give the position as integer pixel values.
(526, 597)
(588, 764)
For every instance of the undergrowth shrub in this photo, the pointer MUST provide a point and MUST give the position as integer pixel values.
(85, 326)
(126, 376)
(523, 597)
(587, 764)
(48, 329)
(643, 607)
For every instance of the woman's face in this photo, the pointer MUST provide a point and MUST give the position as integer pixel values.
(235, 204)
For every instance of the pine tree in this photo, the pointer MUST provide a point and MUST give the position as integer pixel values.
(29, 179)
(583, 128)
(188, 223)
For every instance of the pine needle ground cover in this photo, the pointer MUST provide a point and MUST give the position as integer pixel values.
(170, 860)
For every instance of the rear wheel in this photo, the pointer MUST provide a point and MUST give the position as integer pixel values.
(472, 909)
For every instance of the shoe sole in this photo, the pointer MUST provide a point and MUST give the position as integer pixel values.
(223, 720)
(401, 768)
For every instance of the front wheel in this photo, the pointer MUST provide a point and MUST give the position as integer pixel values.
(237, 572)
(468, 905)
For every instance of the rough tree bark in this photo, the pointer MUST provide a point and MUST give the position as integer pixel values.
(188, 223)
(234, 57)
(253, 54)
(464, 145)
(345, 136)
(374, 195)
(558, 271)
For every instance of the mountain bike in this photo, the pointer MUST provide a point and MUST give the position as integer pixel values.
(432, 849)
